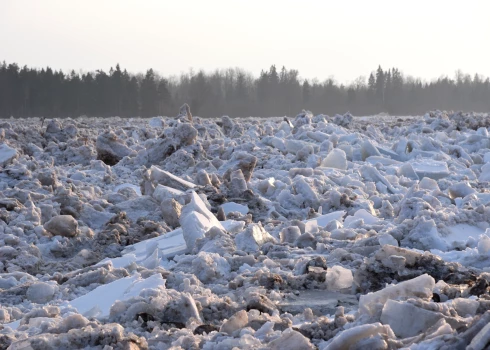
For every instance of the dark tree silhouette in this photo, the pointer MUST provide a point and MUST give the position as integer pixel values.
(28, 92)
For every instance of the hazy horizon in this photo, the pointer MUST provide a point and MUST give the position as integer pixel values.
(319, 39)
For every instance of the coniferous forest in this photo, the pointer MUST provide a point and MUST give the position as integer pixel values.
(29, 92)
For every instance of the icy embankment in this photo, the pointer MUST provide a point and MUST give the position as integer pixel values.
(185, 233)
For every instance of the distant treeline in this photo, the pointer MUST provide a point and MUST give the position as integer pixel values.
(28, 92)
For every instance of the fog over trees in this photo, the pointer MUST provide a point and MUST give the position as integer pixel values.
(29, 92)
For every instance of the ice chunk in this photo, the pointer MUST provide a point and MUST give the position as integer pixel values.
(252, 239)
(425, 236)
(485, 173)
(335, 159)
(481, 340)
(432, 169)
(236, 322)
(484, 245)
(462, 232)
(163, 192)
(429, 184)
(389, 153)
(368, 150)
(159, 176)
(350, 337)
(317, 136)
(290, 234)
(407, 171)
(291, 340)
(196, 219)
(465, 307)
(156, 122)
(382, 160)
(62, 225)
(171, 210)
(194, 226)
(7, 154)
(420, 287)
(41, 292)
(460, 189)
(110, 149)
(122, 261)
(309, 195)
(361, 214)
(170, 244)
(210, 266)
(408, 320)
(144, 206)
(196, 204)
(387, 239)
(338, 278)
(323, 220)
(105, 296)
(373, 174)
(126, 185)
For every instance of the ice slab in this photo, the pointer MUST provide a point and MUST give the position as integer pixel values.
(323, 220)
(321, 302)
(162, 192)
(388, 152)
(432, 169)
(103, 297)
(120, 262)
(169, 245)
(165, 178)
(379, 159)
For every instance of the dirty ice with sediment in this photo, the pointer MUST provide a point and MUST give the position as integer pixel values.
(313, 232)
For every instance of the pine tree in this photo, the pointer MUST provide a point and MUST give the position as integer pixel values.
(380, 85)
(149, 95)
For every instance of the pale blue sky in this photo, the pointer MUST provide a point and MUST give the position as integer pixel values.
(319, 38)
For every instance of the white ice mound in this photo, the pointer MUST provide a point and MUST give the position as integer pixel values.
(420, 287)
(100, 300)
